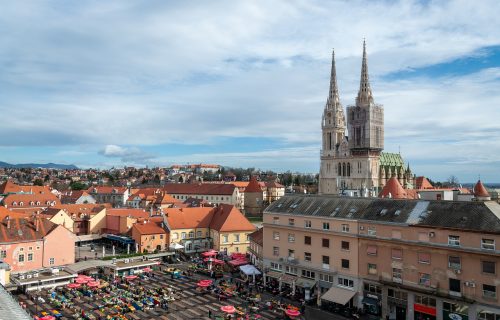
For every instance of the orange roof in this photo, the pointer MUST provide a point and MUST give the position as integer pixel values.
(135, 213)
(423, 183)
(149, 227)
(106, 189)
(393, 189)
(199, 188)
(77, 209)
(22, 200)
(253, 185)
(22, 227)
(258, 236)
(228, 218)
(480, 190)
(187, 218)
(10, 187)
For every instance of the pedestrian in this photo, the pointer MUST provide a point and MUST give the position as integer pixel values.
(210, 313)
(303, 307)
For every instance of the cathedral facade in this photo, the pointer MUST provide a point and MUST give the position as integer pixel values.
(354, 164)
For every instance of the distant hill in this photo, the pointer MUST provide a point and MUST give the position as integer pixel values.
(38, 165)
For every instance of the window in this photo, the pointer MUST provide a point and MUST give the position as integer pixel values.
(21, 258)
(30, 248)
(307, 240)
(225, 238)
(343, 282)
(291, 254)
(488, 267)
(3, 254)
(424, 279)
(454, 285)
(175, 235)
(424, 257)
(488, 244)
(345, 228)
(30, 256)
(291, 237)
(345, 245)
(191, 234)
(326, 277)
(199, 234)
(276, 220)
(371, 250)
(276, 235)
(183, 235)
(326, 260)
(21, 249)
(397, 275)
(276, 251)
(397, 254)
(489, 291)
(426, 301)
(161, 236)
(326, 226)
(487, 315)
(307, 256)
(308, 274)
(372, 288)
(276, 266)
(236, 238)
(454, 262)
(325, 243)
(291, 270)
(372, 268)
(52, 261)
(454, 241)
(372, 231)
(396, 294)
(307, 224)
(345, 263)
(291, 222)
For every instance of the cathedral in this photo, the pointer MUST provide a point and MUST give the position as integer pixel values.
(354, 164)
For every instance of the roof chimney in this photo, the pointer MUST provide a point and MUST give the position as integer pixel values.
(7, 220)
(37, 223)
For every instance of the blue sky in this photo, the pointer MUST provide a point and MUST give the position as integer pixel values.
(101, 84)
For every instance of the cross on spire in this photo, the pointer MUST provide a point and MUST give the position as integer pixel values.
(365, 92)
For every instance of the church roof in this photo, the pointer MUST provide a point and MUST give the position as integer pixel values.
(253, 186)
(393, 189)
(480, 190)
(391, 160)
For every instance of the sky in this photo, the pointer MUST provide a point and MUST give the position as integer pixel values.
(244, 83)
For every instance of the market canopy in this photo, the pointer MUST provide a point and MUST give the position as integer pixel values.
(249, 270)
(338, 295)
(237, 263)
(176, 246)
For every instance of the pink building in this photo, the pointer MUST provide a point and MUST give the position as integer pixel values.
(32, 243)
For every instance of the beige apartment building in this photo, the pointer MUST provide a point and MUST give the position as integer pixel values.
(404, 259)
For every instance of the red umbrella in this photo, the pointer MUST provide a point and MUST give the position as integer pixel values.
(74, 285)
(292, 312)
(131, 277)
(48, 318)
(203, 284)
(238, 262)
(81, 280)
(147, 269)
(209, 253)
(93, 284)
(228, 309)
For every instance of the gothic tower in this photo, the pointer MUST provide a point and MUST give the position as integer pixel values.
(333, 133)
(365, 124)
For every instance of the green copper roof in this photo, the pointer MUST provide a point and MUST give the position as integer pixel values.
(391, 159)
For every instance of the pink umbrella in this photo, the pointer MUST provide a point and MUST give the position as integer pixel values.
(147, 269)
(93, 284)
(81, 280)
(292, 312)
(228, 309)
(203, 284)
(82, 276)
(131, 277)
(209, 253)
(74, 285)
(48, 318)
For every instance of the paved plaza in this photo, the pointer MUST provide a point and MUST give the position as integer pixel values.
(189, 303)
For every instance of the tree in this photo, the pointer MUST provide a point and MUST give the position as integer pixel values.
(452, 181)
(77, 185)
(38, 182)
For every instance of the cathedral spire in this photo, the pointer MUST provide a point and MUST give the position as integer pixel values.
(333, 97)
(365, 92)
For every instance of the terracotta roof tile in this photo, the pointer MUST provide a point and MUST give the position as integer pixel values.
(393, 189)
(258, 236)
(253, 185)
(480, 190)
(199, 188)
(228, 218)
(423, 183)
(148, 228)
(22, 227)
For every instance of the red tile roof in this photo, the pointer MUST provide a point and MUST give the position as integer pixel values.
(253, 185)
(423, 183)
(228, 218)
(10, 187)
(126, 212)
(106, 189)
(393, 189)
(148, 227)
(187, 218)
(480, 190)
(22, 227)
(28, 200)
(77, 209)
(199, 188)
(258, 237)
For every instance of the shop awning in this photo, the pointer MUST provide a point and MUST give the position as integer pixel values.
(274, 274)
(288, 279)
(338, 295)
(305, 283)
(249, 270)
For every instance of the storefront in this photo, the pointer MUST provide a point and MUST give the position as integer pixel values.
(424, 312)
(372, 297)
(455, 311)
(397, 302)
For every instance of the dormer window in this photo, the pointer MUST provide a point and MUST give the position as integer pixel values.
(32, 203)
(38, 203)
(21, 204)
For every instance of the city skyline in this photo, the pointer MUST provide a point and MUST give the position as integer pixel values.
(244, 85)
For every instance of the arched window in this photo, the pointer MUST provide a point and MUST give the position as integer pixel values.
(339, 172)
(348, 169)
(199, 234)
(191, 234)
(21, 204)
(343, 169)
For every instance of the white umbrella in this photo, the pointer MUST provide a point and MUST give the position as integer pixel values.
(176, 246)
